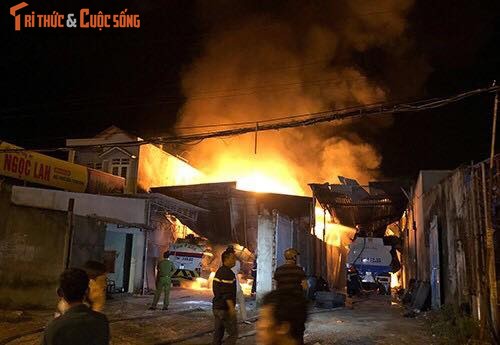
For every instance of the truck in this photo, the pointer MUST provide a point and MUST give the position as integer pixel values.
(189, 256)
(373, 261)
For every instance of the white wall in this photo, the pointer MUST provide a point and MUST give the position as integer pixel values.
(126, 210)
(115, 240)
(265, 241)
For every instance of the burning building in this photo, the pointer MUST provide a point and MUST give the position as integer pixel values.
(141, 165)
(370, 210)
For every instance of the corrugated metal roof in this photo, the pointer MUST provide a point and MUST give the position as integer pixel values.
(369, 208)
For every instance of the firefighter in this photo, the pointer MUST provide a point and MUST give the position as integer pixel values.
(224, 288)
(163, 281)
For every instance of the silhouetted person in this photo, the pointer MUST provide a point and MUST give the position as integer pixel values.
(79, 325)
(322, 284)
(282, 318)
(290, 276)
(354, 285)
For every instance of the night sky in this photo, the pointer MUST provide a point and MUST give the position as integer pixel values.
(73, 83)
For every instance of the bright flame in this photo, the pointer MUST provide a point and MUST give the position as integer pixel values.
(199, 283)
(246, 287)
(211, 280)
(255, 174)
(395, 280)
(333, 232)
(257, 181)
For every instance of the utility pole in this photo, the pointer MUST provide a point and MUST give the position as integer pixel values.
(494, 128)
(68, 238)
(488, 210)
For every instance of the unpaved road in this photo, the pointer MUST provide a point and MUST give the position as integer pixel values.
(189, 322)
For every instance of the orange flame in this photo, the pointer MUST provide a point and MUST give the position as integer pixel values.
(246, 287)
(334, 233)
(256, 174)
(395, 280)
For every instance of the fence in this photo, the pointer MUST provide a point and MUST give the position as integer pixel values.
(449, 231)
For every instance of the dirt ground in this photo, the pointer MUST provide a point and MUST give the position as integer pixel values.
(189, 322)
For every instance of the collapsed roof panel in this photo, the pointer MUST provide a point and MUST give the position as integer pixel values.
(369, 208)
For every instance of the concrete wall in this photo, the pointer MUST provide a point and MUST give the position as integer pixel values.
(415, 227)
(123, 210)
(116, 241)
(136, 263)
(265, 258)
(32, 251)
(88, 241)
(158, 243)
(456, 200)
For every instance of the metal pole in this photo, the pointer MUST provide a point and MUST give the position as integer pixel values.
(68, 238)
(145, 252)
(490, 255)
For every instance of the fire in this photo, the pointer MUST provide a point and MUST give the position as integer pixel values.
(258, 181)
(246, 287)
(257, 174)
(395, 280)
(334, 233)
(199, 283)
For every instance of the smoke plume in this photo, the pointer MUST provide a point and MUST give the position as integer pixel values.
(293, 57)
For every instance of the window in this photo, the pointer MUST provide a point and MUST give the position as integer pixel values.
(97, 166)
(120, 167)
(124, 172)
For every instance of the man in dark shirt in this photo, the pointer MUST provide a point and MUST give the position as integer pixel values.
(79, 325)
(224, 287)
(289, 276)
(291, 279)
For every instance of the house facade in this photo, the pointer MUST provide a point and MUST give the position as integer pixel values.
(143, 166)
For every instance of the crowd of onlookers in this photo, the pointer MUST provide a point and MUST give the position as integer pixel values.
(282, 314)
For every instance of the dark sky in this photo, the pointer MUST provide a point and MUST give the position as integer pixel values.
(72, 83)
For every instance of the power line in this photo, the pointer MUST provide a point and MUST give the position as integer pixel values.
(312, 119)
(329, 116)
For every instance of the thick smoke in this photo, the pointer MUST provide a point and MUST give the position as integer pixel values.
(296, 58)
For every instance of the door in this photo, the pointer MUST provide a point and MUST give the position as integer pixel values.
(127, 260)
(434, 248)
